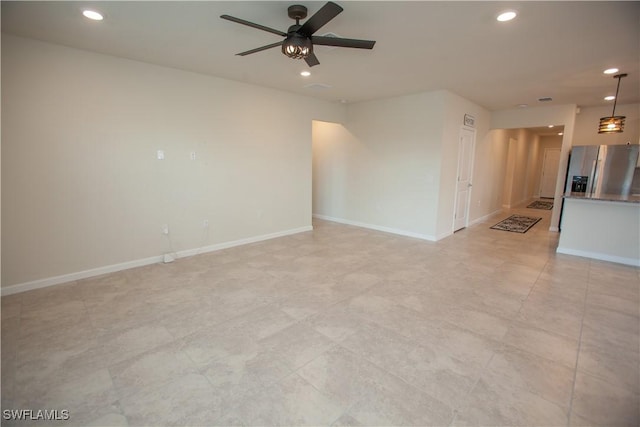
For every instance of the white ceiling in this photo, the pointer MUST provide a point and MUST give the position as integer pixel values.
(552, 49)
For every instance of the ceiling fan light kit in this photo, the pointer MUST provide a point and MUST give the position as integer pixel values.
(613, 123)
(299, 39)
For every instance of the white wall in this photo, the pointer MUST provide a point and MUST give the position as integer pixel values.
(81, 186)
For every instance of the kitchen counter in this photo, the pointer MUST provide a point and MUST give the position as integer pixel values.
(633, 198)
(605, 228)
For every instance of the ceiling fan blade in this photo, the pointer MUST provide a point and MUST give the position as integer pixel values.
(340, 42)
(312, 60)
(251, 24)
(259, 49)
(321, 17)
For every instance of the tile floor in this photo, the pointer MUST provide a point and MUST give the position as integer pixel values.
(339, 326)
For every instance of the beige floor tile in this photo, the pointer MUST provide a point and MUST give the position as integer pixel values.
(606, 319)
(614, 303)
(603, 336)
(123, 345)
(42, 369)
(297, 345)
(150, 370)
(516, 368)
(557, 315)
(336, 373)
(208, 345)
(478, 321)
(381, 330)
(86, 398)
(387, 400)
(503, 404)
(11, 306)
(604, 403)
(542, 343)
(472, 349)
(615, 366)
(336, 322)
(292, 401)
(188, 400)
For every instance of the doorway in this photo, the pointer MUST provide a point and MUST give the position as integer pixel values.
(463, 184)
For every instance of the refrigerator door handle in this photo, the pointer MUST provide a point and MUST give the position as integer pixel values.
(594, 173)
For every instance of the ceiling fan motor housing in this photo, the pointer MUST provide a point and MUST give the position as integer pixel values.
(299, 39)
(297, 12)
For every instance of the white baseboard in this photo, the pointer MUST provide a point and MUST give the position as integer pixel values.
(65, 278)
(599, 256)
(554, 229)
(377, 227)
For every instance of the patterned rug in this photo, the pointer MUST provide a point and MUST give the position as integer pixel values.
(516, 223)
(540, 204)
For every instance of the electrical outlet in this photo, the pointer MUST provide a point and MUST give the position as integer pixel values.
(165, 229)
(205, 223)
(193, 155)
(160, 154)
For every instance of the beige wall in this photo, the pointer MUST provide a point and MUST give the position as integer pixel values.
(382, 169)
(81, 185)
(546, 142)
(393, 166)
(586, 131)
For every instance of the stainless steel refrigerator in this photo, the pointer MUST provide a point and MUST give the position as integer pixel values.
(598, 171)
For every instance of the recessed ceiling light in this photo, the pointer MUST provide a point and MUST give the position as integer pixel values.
(506, 16)
(93, 15)
(550, 126)
(305, 73)
(609, 98)
(343, 101)
(523, 105)
(611, 71)
(560, 133)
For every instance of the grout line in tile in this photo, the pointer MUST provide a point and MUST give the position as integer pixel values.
(575, 370)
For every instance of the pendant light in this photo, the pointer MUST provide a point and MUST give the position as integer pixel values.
(613, 124)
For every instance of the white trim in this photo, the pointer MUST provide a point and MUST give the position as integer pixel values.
(554, 229)
(377, 227)
(65, 278)
(599, 256)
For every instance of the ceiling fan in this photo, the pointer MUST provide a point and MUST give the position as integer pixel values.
(299, 39)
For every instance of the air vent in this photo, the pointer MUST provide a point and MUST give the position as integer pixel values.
(318, 86)
(545, 99)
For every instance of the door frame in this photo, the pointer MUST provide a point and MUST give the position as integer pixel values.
(472, 132)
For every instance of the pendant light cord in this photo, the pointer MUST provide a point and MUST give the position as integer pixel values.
(619, 77)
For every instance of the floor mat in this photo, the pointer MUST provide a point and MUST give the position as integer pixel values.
(516, 223)
(540, 204)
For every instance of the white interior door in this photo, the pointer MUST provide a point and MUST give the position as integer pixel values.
(463, 186)
(549, 172)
